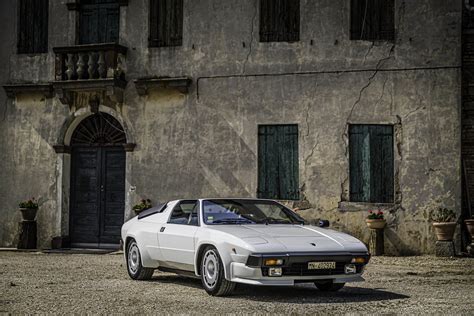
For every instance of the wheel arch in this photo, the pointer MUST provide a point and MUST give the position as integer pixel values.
(198, 256)
(144, 255)
(224, 257)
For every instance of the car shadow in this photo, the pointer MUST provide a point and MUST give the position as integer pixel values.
(309, 294)
(176, 279)
(299, 294)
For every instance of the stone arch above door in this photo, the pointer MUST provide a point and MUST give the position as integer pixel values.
(99, 129)
(70, 124)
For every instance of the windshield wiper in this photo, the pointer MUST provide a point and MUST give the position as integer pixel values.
(278, 221)
(232, 221)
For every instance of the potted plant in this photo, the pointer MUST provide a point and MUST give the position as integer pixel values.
(143, 205)
(375, 220)
(444, 223)
(28, 209)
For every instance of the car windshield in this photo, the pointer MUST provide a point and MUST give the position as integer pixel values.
(240, 211)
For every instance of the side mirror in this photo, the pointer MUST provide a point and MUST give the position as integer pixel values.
(323, 223)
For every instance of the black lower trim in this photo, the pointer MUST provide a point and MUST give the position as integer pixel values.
(256, 260)
(178, 271)
(301, 269)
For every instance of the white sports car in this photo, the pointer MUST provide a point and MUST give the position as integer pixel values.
(229, 241)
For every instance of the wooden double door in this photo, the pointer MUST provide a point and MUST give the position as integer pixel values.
(97, 196)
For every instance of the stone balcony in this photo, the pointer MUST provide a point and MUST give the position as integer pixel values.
(93, 68)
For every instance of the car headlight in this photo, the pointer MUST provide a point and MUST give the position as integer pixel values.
(273, 262)
(358, 260)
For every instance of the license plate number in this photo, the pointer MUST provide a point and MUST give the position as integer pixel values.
(321, 265)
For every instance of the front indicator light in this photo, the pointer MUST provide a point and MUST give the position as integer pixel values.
(358, 260)
(275, 272)
(350, 269)
(273, 262)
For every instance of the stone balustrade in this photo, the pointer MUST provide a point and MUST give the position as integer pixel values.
(90, 62)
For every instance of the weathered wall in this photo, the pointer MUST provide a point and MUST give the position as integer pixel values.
(204, 143)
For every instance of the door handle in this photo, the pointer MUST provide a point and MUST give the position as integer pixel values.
(162, 229)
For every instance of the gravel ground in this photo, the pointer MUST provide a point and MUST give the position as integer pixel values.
(98, 283)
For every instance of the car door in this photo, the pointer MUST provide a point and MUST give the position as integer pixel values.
(177, 237)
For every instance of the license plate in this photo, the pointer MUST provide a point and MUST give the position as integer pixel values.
(321, 265)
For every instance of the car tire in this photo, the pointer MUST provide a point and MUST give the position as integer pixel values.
(329, 286)
(212, 274)
(134, 263)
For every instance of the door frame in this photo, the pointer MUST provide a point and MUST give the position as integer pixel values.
(63, 170)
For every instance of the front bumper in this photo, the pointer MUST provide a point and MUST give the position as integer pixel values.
(295, 269)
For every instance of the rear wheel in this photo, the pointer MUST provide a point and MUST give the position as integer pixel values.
(329, 286)
(134, 263)
(212, 274)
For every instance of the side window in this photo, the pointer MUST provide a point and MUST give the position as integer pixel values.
(166, 23)
(32, 26)
(279, 20)
(185, 213)
(372, 20)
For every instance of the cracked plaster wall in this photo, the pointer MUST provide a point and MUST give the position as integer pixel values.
(189, 146)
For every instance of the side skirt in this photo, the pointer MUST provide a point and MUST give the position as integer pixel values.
(185, 273)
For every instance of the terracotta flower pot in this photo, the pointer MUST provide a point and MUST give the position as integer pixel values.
(470, 227)
(444, 231)
(375, 223)
(28, 214)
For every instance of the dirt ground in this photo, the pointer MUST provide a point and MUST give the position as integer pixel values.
(98, 283)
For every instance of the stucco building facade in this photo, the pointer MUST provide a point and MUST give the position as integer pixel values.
(195, 113)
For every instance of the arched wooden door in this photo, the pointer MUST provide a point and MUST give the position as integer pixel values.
(97, 182)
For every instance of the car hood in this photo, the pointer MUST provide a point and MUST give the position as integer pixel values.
(293, 238)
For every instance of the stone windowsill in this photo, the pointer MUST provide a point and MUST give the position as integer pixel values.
(364, 206)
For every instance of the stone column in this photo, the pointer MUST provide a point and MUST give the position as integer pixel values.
(376, 242)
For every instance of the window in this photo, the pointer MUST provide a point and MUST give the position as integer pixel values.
(371, 163)
(32, 26)
(99, 21)
(185, 213)
(278, 162)
(372, 20)
(279, 20)
(166, 23)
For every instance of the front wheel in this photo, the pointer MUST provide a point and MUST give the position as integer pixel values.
(134, 263)
(329, 286)
(212, 274)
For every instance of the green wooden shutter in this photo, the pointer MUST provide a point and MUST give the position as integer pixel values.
(371, 163)
(267, 162)
(32, 26)
(382, 164)
(99, 21)
(387, 20)
(166, 23)
(278, 162)
(359, 154)
(357, 14)
(279, 20)
(372, 20)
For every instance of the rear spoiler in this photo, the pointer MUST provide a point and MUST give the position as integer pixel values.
(154, 210)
